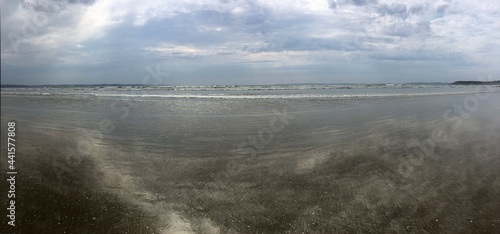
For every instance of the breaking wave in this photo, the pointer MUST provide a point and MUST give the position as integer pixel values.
(251, 96)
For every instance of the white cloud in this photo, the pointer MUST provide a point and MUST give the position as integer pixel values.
(283, 33)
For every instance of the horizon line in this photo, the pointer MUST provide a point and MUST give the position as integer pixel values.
(131, 84)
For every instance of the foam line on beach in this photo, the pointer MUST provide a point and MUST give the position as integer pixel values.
(255, 96)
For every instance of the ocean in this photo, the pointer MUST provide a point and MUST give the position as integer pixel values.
(385, 158)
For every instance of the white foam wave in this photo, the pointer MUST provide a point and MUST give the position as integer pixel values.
(253, 96)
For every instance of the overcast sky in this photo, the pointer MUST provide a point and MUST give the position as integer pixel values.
(207, 42)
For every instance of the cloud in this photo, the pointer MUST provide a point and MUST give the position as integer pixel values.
(407, 29)
(333, 4)
(397, 10)
(419, 55)
(262, 38)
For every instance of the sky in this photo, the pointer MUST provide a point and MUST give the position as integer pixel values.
(217, 42)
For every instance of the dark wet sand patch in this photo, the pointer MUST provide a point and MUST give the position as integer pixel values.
(71, 202)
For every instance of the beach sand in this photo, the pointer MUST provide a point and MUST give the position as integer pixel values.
(385, 165)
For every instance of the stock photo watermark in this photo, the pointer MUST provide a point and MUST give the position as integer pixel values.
(36, 20)
(256, 143)
(11, 173)
(455, 116)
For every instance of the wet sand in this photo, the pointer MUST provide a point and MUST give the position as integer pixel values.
(386, 165)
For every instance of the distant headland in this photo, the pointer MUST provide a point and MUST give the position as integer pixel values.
(496, 82)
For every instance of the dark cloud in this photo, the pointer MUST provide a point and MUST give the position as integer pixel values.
(258, 18)
(401, 11)
(86, 2)
(334, 4)
(362, 2)
(38, 18)
(53, 5)
(306, 44)
(406, 29)
(441, 10)
(415, 9)
(397, 10)
(419, 55)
